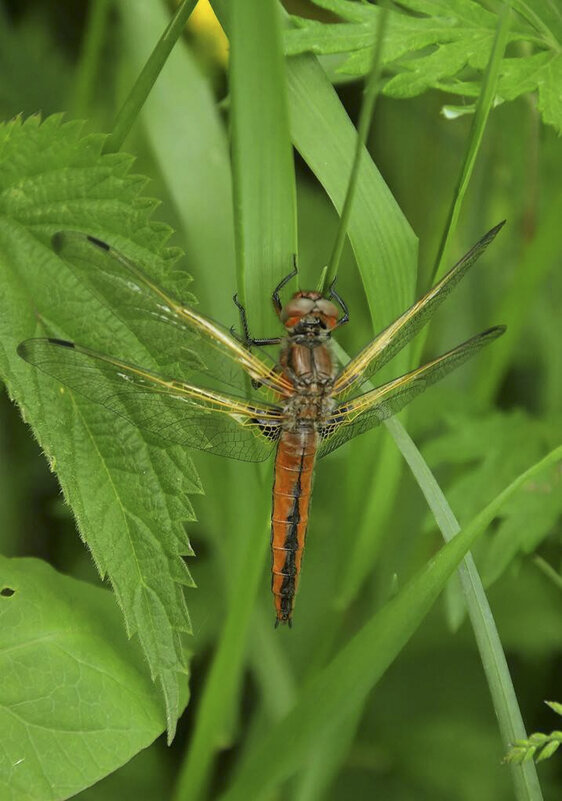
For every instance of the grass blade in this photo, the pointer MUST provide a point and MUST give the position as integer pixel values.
(87, 71)
(344, 684)
(384, 245)
(191, 147)
(365, 119)
(265, 236)
(483, 107)
(495, 666)
(143, 85)
(263, 172)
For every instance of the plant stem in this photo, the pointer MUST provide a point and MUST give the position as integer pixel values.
(90, 57)
(549, 571)
(372, 89)
(481, 114)
(525, 779)
(147, 78)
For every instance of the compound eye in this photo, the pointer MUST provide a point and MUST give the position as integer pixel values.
(327, 307)
(328, 311)
(297, 308)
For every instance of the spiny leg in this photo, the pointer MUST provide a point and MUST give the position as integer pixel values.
(277, 305)
(341, 303)
(247, 340)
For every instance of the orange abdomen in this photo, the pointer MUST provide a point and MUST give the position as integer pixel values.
(294, 466)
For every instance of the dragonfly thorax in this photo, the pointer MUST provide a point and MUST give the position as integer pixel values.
(308, 410)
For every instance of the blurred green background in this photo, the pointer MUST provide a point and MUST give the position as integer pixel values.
(428, 731)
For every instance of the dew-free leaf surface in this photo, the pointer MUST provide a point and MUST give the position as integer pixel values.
(444, 45)
(128, 492)
(529, 517)
(76, 697)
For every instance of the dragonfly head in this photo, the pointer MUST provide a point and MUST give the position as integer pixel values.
(309, 313)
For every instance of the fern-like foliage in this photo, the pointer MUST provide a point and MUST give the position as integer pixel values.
(129, 494)
(538, 746)
(533, 514)
(445, 45)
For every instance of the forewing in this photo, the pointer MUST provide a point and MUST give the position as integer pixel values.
(182, 340)
(174, 410)
(366, 411)
(397, 335)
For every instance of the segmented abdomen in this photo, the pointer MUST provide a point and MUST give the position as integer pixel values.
(294, 465)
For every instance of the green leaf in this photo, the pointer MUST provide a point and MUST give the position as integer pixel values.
(530, 516)
(540, 72)
(76, 697)
(537, 746)
(128, 493)
(460, 34)
(555, 706)
(548, 750)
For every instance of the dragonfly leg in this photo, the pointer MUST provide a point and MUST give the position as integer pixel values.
(246, 339)
(341, 303)
(277, 305)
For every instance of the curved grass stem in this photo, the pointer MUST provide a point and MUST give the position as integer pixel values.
(372, 89)
(130, 109)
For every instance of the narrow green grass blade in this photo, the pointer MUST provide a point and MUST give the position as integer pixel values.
(265, 236)
(548, 571)
(368, 539)
(385, 246)
(87, 70)
(525, 779)
(483, 107)
(188, 140)
(263, 172)
(365, 119)
(327, 758)
(343, 685)
(148, 76)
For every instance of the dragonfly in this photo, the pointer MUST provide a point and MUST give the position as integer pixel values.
(302, 405)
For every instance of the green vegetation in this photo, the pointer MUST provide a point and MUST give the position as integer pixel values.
(399, 680)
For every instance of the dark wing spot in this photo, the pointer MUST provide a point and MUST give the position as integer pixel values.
(64, 343)
(98, 242)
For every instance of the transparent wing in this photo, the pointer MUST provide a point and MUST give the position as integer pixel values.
(174, 410)
(183, 340)
(388, 343)
(366, 411)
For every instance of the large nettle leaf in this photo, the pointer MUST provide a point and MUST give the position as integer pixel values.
(531, 515)
(445, 45)
(76, 699)
(127, 491)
